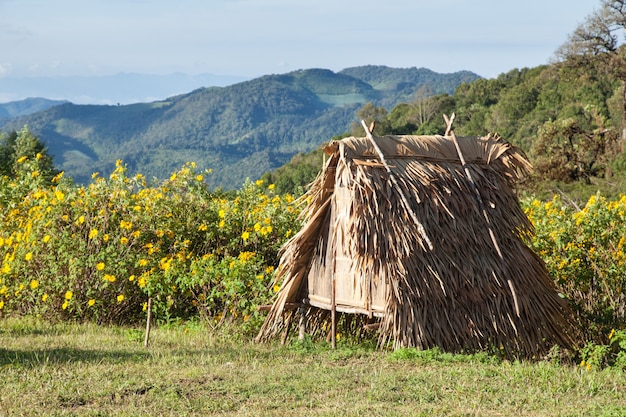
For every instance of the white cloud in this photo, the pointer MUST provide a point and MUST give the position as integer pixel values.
(4, 70)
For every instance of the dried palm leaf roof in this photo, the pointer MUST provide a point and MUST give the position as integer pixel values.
(438, 253)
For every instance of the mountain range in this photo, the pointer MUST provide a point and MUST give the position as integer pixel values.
(123, 88)
(240, 131)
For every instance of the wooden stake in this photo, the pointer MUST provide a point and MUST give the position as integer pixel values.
(148, 322)
(449, 122)
(302, 323)
(405, 202)
(333, 316)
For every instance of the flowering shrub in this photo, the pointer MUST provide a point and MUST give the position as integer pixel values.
(584, 250)
(98, 252)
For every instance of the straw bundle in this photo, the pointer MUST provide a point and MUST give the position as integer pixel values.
(436, 265)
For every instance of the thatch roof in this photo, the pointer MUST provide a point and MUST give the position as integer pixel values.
(437, 254)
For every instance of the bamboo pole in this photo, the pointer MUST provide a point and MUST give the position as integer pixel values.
(394, 181)
(492, 235)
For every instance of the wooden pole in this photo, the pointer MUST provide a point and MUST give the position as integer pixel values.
(148, 322)
(403, 198)
(333, 315)
(302, 323)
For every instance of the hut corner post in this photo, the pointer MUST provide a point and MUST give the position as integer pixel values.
(302, 323)
(333, 315)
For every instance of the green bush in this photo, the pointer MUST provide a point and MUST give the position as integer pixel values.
(585, 252)
(98, 252)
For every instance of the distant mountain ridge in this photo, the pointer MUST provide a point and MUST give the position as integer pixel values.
(27, 106)
(124, 88)
(240, 131)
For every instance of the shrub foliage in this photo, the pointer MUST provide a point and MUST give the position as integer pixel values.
(98, 252)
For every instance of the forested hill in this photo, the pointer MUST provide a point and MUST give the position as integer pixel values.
(26, 106)
(239, 131)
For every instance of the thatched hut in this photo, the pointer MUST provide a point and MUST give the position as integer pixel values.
(425, 242)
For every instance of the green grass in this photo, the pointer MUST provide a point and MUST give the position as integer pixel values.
(189, 369)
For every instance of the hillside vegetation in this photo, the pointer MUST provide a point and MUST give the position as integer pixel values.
(567, 120)
(240, 131)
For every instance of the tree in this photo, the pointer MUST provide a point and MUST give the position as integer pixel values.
(568, 151)
(595, 43)
(371, 113)
(24, 152)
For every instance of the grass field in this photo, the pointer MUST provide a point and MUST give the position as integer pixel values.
(189, 369)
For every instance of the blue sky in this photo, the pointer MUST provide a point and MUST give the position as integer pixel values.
(256, 37)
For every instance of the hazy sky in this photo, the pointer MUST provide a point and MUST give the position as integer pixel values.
(256, 37)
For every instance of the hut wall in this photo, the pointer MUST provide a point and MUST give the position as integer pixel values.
(355, 292)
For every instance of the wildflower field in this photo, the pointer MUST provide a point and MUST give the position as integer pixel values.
(97, 253)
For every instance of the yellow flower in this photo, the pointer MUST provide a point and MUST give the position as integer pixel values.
(144, 307)
(65, 305)
(221, 224)
(126, 225)
(131, 278)
(44, 298)
(59, 195)
(136, 234)
(611, 334)
(22, 159)
(1, 304)
(120, 298)
(123, 240)
(93, 233)
(199, 177)
(257, 227)
(259, 182)
(105, 237)
(81, 219)
(69, 295)
(271, 186)
(46, 239)
(95, 174)
(245, 235)
(276, 287)
(221, 213)
(203, 228)
(91, 302)
(142, 262)
(246, 256)
(109, 277)
(34, 284)
(28, 256)
(100, 266)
